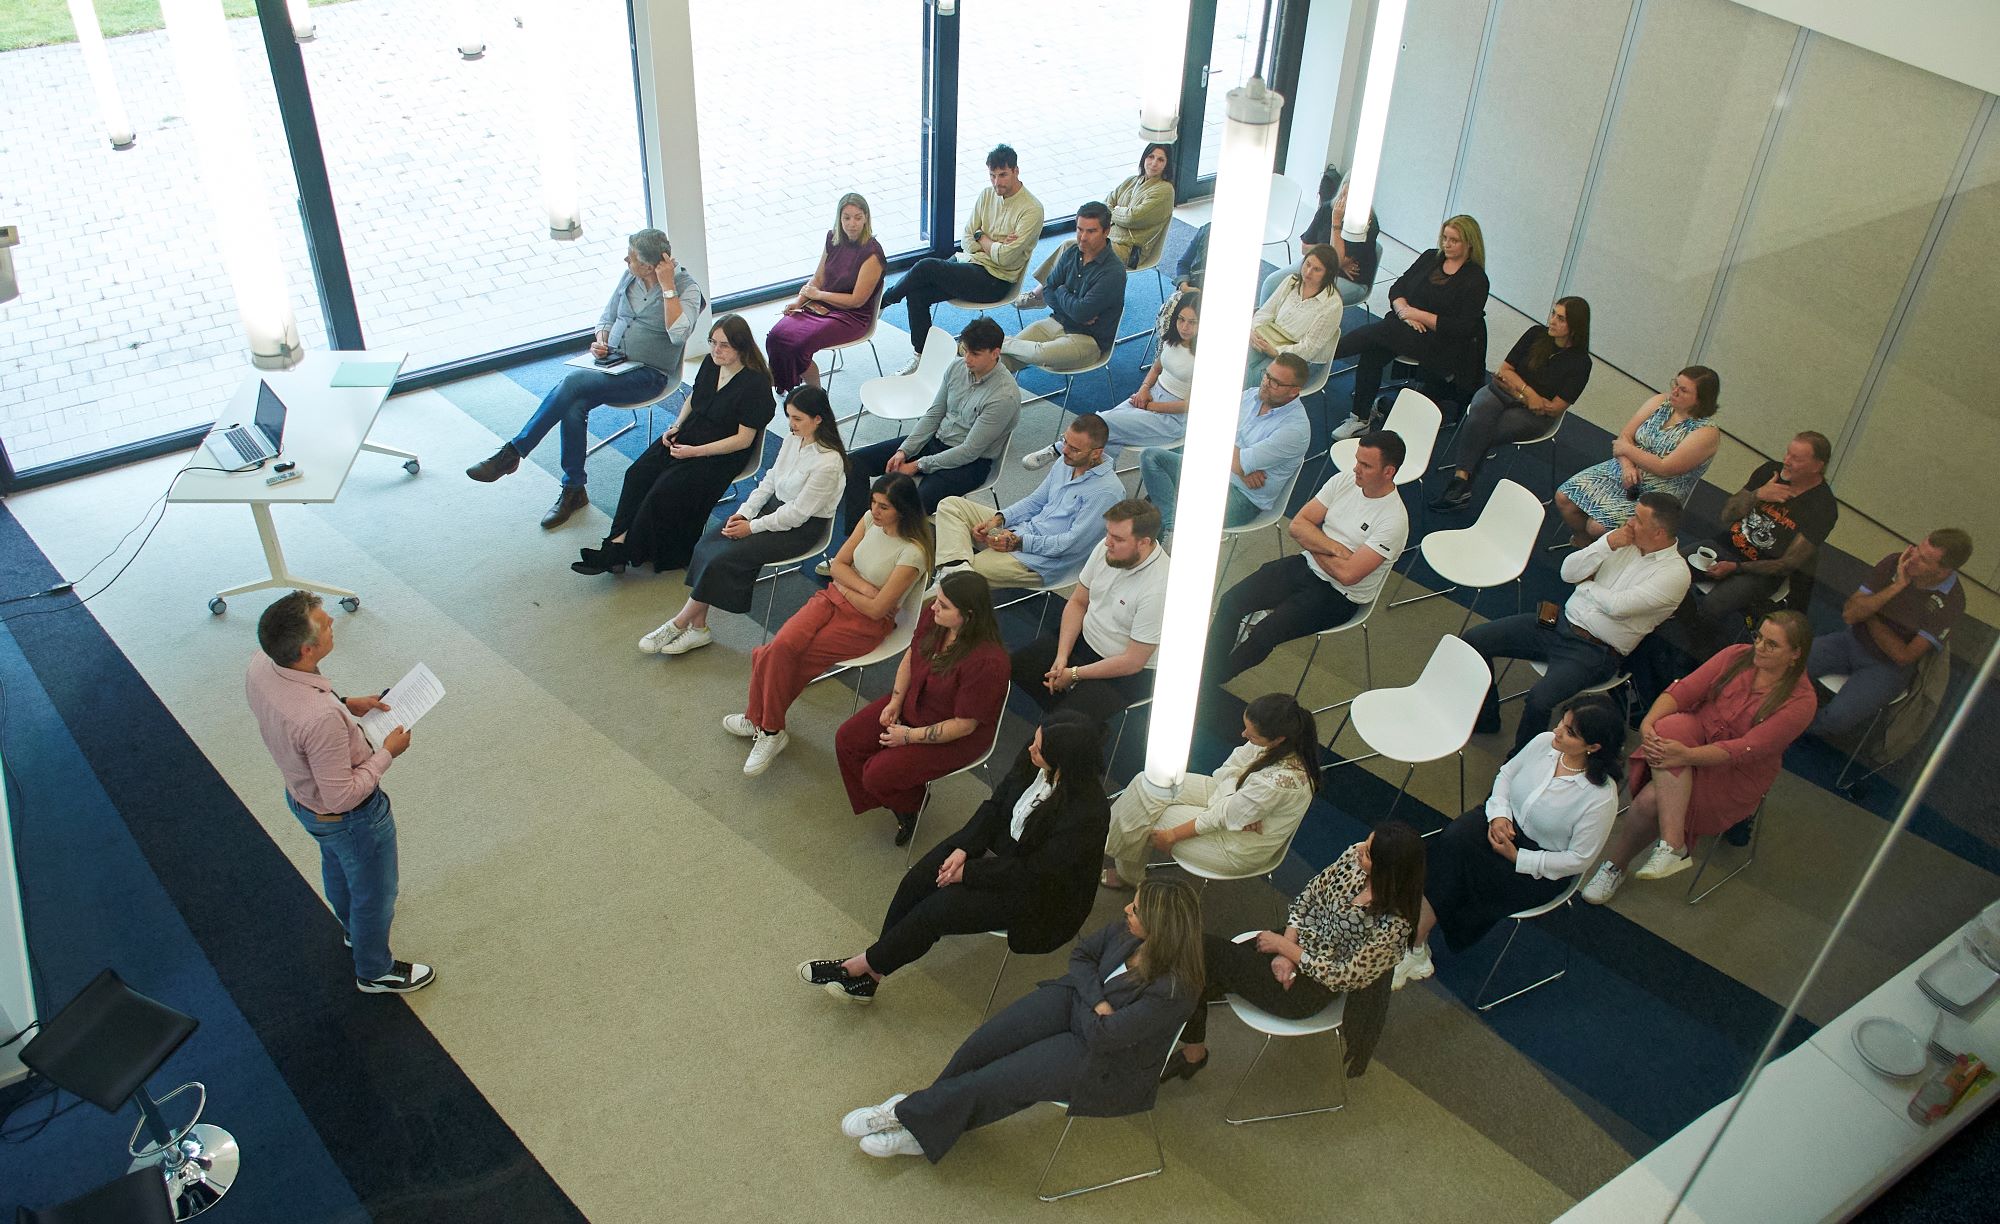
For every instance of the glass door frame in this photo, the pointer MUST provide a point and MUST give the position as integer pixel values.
(1281, 57)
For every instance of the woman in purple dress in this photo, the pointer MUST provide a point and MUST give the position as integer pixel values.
(837, 305)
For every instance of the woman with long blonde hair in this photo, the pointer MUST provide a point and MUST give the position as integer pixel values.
(838, 304)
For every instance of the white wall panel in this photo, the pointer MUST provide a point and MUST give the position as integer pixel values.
(1434, 73)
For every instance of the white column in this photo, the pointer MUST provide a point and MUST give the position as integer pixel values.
(1329, 94)
(110, 106)
(668, 138)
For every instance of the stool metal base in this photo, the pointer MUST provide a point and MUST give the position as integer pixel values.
(199, 1168)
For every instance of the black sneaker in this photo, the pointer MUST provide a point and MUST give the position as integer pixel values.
(402, 978)
(855, 989)
(906, 827)
(1738, 834)
(819, 973)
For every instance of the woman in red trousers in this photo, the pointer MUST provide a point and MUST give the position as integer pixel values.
(942, 713)
(883, 558)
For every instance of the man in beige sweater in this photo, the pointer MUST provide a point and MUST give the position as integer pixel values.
(1000, 235)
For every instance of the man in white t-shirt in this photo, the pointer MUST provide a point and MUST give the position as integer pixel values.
(1349, 534)
(1101, 659)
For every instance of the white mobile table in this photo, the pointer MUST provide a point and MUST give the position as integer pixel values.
(325, 428)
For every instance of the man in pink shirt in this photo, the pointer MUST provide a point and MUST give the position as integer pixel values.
(333, 782)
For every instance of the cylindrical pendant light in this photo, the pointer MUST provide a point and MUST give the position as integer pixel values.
(239, 204)
(547, 73)
(110, 107)
(1374, 121)
(471, 31)
(1160, 93)
(300, 12)
(1242, 188)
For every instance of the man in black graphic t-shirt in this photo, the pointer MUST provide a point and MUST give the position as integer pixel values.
(1771, 528)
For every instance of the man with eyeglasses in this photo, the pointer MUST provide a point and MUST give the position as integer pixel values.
(1046, 535)
(955, 444)
(1272, 434)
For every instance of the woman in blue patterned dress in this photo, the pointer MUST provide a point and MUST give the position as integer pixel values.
(1666, 446)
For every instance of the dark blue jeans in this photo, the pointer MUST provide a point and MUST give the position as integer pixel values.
(357, 860)
(569, 403)
(1574, 665)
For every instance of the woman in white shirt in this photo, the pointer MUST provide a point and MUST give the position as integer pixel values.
(1545, 824)
(1156, 415)
(783, 516)
(1302, 317)
(1235, 820)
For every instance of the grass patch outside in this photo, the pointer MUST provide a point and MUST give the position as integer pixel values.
(42, 23)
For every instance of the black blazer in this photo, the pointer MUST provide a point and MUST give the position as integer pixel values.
(1124, 1051)
(1458, 347)
(1055, 863)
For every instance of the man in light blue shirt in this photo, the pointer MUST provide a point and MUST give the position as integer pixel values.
(1272, 435)
(1048, 534)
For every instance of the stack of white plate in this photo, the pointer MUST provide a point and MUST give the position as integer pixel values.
(1889, 1047)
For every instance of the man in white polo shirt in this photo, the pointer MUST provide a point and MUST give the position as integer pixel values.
(1349, 536)
(1101, 660)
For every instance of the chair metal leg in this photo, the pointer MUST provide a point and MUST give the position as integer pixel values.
(1840, 782)
(1005, 954)
(1495, 970)
(1159, 1165)
(1404, 789)
(910, 855)
(1708, 856)
(1339, 1076)
(622, 430)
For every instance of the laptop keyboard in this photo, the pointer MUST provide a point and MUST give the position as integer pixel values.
(246, 444)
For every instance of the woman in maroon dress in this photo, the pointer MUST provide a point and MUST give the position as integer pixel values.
(1709, 748)
(837, 305)
(940, 715)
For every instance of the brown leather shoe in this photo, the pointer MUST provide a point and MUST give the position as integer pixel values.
(502, 463)
(573, 499)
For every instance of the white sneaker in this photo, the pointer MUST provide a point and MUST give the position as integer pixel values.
(872, 1119)
(1604, 885)
(740, 726)
(659, 639)
(1414, 967)
(824, 569)
(690, 639)
(1352, 427)
(765, 748)
(916, 359)
(1035, 461)
(1663, 862)
(897, 1142)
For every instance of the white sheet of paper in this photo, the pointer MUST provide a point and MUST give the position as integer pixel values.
(584, 361)
(410, 699)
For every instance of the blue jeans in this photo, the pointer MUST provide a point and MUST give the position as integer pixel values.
(1872, 682)
(1160, 477)
(1574, 665)
(569, 403)
(357, 861)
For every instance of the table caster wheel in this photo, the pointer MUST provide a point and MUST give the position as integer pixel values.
(351, 602)
(412, 466)
(216, 606)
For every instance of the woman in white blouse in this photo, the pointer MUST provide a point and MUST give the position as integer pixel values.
(1302, 317)
(1156, 415)
(1236, 820)
(1545, 824)
(783, 516)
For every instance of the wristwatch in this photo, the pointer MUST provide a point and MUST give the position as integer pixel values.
(668, 293)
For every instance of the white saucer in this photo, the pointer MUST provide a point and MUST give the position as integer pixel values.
(1698, 563)
(1889, 1047)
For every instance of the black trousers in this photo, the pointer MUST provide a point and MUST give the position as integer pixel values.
(1472, 887)
(864, 465)
(666, 503)
(1300, 602)
(922, 913)
(1240, 969)
(930, 281)
(1102, 700)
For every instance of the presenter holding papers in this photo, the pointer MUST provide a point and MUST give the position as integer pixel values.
(333, 777)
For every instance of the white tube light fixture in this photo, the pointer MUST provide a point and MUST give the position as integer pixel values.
(238, 201)
(1160, 96)
(947, 8)
(471, 38)
(300, 12)
(548, 73)
(110, 107)
(1242, 189)
(1374, 122)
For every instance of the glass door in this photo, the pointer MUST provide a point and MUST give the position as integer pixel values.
(1228, 41)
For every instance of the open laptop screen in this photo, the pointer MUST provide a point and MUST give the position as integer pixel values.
(271, 416)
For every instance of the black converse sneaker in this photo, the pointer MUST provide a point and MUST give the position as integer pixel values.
(854, 989)
(402, 978)
(819, 973)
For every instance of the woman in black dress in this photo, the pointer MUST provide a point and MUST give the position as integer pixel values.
(1437, 315)
(671, 490)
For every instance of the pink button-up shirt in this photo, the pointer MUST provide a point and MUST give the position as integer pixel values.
(327, 763)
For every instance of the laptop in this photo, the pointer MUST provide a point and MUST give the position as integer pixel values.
(263, 439)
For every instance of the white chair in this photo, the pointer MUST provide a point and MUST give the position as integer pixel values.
(1833, 684)
(1069, 378)
(910, 856)
(1561, 902)
(1059, 585)
(1547, 436)
(1416, 419)
(905, 397)
(1358, 621)
(786, 565)
(1708, 856)
(1148, 265)
(1281, 213)
(895, 644)
(1327, 1020)
(835, 363)
(1603, 688)
(1159, 1152)
(753, 463)
(648, 404)
(985, 487)
(1124, 717)
(1264, 521)
(980, 308)
(1424, 721)
(1205, 874)
(1494, 550)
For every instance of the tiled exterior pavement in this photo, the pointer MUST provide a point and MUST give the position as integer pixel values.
(126, 325)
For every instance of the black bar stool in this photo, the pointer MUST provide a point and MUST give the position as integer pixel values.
(103, 1047)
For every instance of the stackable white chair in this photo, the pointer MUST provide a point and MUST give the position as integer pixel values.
(980, 308)
(1281, 213)
(1708, 856)
(1833, 684)
(836, 363)
(905, 397)
(1561, 902)
(974, 767)
(895, 644)
(1265, 870)
(1264, 521)
(753, 463)
(985, 488)
(1148, 265)
(1358, 621)
(774, 570)
(1425, 721)
(1416, 419)
(649, 403)
(1159, 1152)
(1494, 550)
(1327, 1020)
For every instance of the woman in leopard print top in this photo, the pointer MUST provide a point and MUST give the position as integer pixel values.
(1348, 928)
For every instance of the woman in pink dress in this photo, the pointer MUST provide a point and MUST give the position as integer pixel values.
(1709, 749)
(837, 305)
